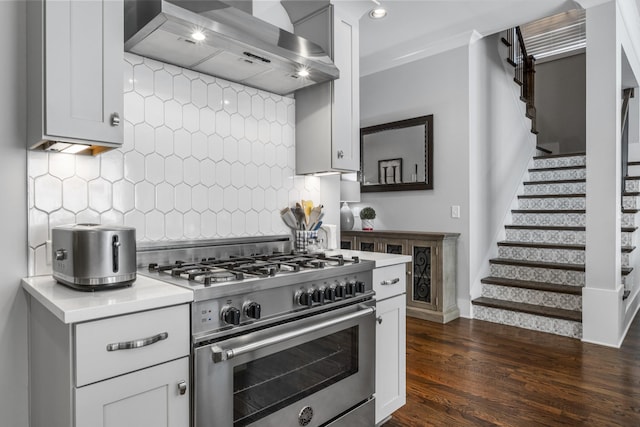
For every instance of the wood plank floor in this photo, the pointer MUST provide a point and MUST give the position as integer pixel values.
(475, 373)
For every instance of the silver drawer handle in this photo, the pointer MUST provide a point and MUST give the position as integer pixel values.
(390, 282)
(115, 119)
(137, 343)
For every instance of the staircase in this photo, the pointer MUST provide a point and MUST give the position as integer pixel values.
(536, 281)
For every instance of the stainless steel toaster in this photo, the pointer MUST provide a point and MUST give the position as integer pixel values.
(93, 256)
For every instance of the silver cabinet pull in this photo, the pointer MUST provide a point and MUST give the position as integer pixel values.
(340, 154)
(379, 319)
(390, 282)
(115, 119)
(182, 387)
(126, 345)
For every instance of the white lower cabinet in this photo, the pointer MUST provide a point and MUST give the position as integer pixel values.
(152, 397)
(389, 284)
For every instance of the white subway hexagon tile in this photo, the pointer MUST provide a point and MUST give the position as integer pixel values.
(223, 223)
(154, 168)
(264, 176)
(165, 201)
(143, 80)
(136, 220)
(264, 132)
(173, 167)
(145, 196)
(173, 225)
(251, 175)
(230, 149)
(61, 217)
(38, 232)
(265, 222)
(199, 145)
(198, 93)
(208, 224)
(207, 172)
(182, 198)
(153, 64)
(291, 114)
(216, 199)
(294, 195)
(87, 167)
(244, 151)
(277, 225)
(144, 138)
(269, 109)
(257, 153)
(251, 129)
(281, 156)
(244, 199)
(214, 97)
(269, 154)
(88, 216)
(230, 100)
(223, 174)
(288, 136)
(154, 223)
(257, 199)
(164, 141)
(215, 147)
(62, 165)
(100, 195)
(182, 89)
(48, 193)
(163, 84)
(291, 160)
(257, 107)
(276, 177)
(153, 111)
(275, 133)
(244, 104)
(133, 107)
(182, 143)
(134, 166)
(223, 123)
(112, 217)
(282, 197)
(238, 223)
(270, 199)
(252, 223)
(133, 59)
(200, 198)
(123, 196)
(207, 121)
(281, 112)
(190, 118)
(287, 178)
(173, 114)
(40, 261)
(128, 138)
(192, 222)
(230, 195)
(191, 171)
(237, 126)
(127, 79)
(237, 175)
(37, 163)
(174, 70)
(190, 74)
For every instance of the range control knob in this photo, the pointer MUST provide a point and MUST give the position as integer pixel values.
(351, 289)
(339, 290)
(317, 296)
(304, 298)
(360, 288)
(230, 315)
(252, 309)
(329, 294)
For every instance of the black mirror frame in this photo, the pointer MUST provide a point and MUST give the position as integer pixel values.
(405, 186)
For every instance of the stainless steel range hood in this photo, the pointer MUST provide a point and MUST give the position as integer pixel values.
(237, 46)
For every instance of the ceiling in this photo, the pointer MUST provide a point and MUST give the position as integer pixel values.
(414, 29)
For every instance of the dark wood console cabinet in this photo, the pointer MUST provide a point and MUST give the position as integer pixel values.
(431, 276)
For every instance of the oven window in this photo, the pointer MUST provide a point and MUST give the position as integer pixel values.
(263, 386)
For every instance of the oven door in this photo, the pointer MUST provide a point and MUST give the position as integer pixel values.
(306, 372)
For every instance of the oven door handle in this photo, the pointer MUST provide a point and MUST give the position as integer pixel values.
(220, 354)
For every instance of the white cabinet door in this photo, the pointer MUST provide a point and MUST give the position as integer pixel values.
(84, 70)
(147, 398)
(390, 356)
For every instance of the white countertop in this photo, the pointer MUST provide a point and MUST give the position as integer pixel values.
(71, 306)
(381, 259)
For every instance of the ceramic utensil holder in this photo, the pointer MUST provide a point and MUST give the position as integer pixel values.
(305, 240)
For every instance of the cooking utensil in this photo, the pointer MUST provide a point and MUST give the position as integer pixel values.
(299, 214)
(289, 218)
(315, 216)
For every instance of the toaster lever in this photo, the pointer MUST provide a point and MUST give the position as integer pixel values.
(116, 257)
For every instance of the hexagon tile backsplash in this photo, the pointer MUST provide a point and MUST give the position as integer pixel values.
(202, 158)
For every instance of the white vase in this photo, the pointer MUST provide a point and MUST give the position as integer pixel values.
(367, 224)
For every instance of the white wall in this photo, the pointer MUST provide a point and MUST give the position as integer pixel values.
(13, 216)
(436, 85)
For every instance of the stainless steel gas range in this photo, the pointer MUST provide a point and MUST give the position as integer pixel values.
(279, 338)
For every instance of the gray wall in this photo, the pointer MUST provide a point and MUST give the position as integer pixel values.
(13, 217)
(561, 103)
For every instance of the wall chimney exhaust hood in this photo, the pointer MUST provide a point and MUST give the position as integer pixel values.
(214, 38)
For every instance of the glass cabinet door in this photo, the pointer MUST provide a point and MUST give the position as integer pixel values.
(367, 244)
(423, 292)
(394, 246)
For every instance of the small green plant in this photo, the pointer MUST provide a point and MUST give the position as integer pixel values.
(367, 213)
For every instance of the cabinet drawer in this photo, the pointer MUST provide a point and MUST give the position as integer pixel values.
(101, 347)
(389, 281)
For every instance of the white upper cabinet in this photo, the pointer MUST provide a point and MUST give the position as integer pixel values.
(327, 115)
(75, 59)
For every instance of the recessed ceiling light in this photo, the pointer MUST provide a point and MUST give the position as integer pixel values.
(303, 72)
(198, 36)
(378, 13)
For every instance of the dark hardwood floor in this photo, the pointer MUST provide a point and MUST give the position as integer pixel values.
(475, 373)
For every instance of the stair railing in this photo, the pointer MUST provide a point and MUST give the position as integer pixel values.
(524, 71)
(627, 94)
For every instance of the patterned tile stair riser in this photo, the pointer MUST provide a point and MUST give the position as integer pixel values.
(630, 202)
(562, 327)
(557, 203)
(538, 274)
(556, 175)
(559, 162)
(550, 219)
(556, 188)
(632, 185)
(531, 296)
(567, 256)
(546, 236)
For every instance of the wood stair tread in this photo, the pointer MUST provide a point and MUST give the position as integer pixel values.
(628, 229)
(538, 286)
(541, 245)
(633, 163)
(557, 313)
(632, 178)
(631, 193)
(537, 264)
(627, 248)
(544, 150)
(545, 227)
(553, 156)
(556, 181)
(550, 211)
(559, 168)
(550, 196)
(630, 211)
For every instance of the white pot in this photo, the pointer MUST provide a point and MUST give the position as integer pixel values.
(367, 224)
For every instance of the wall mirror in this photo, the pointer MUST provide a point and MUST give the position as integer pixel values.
(397, 156)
